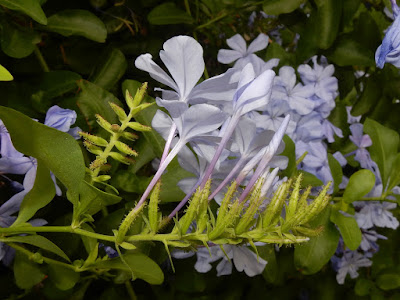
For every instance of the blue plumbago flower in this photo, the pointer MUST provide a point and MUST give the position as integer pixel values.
(389, 51)
(297, 95)
(326, 85)
(7, 210)
(242, 257)
(373, 213)
(361, 154)
(350, 118)
(62, 119)
(369, 238)
(349, 263)
(240, 53)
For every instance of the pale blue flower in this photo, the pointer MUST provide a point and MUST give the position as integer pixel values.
(321, 77)
(361, 154)
(240, 53)
(369, 238)
(350, 118)
(329, 130)
(377, 214)
(389, 51)
(349, 263)
(297, 95)
(242, 258)
(62, 119)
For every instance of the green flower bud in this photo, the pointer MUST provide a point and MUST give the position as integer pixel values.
(119, 111)
(153, 213)
(96, 140)
(121, 158)
(124, 148)
(103, 123)
(92, 148)
(138, 127)
(129, 136)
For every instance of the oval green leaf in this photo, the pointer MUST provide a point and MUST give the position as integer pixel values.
(348, 228)
(26, 272)
(58, 151)
(168, 13)
(328, 15)
(5, 75)
(385, 143)
(142, 266)
(360, 184)
(277, 7)
(310, 257)
(39, 196)
(29, 7)
(77, 22)
(111, 70)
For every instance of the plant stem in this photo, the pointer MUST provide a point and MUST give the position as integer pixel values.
(45, 259)
(65, 229)
(130, 290)
(41, 60)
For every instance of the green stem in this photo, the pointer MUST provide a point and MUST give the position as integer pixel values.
(223, 15)
(187, 7)
(45, 259)
(41, 60)
(65, 229)
(130, 290)
(368, 199)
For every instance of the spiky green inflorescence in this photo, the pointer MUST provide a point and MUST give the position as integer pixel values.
(103, 149)
(241, 222)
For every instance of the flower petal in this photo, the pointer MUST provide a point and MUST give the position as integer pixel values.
(183, 56)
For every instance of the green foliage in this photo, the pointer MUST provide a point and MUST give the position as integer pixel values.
(360, 184)
(77, 22)
(27, 273)
(168, 13)
(29, 7)
(385, 144)
(5, 75)
(348, 228)
(312, 256)
(276, 7)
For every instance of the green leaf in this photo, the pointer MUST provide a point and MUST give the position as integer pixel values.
(385, 143)
(93, 200)
(348, 228)
(94, 100)
(348, 52)
(170, 192)
(394, 175)
(111, 70)
(310, 179)
(290, 153)
(145, 117)
(277, 7)
(63, 278)
(328, 16)
(142, 266)
(18, 42)
(388, 281)
(54, 84)
(27, 273)
(29, 7)
(310, 257)
(38, 241)
(77, 22)
(168, 13)
(5, 75)
(336, 171)
(363, 287)
(271, 270)
(59, 151)
(39, 196)
(360, 184)
(370, 96)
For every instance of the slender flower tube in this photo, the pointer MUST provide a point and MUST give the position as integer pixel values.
(268, 154)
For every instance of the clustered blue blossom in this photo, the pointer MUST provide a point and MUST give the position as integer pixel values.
(14, 162)
(225, 126)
